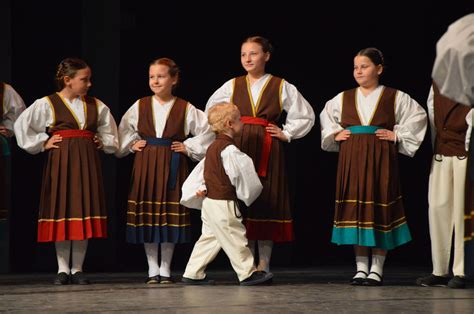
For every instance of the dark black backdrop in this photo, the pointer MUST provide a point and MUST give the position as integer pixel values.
(314, 48)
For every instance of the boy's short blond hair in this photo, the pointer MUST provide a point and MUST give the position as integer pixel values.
(221, 113)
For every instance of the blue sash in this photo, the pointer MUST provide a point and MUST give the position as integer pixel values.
(174, 165)
(363, 129)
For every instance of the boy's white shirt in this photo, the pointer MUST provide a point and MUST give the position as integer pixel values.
(239, 168)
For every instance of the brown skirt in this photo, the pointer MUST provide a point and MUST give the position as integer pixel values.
(154, 214)
(369, 208)
(72, 204)
(269, 217)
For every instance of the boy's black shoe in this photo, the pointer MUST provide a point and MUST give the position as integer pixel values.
(457, 282)
(204, 282)
(61, 279)
(257, 277)
(432, 281)
(79, 279)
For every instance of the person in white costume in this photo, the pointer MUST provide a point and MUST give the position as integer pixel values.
(450, 129)
(451, 189)
(225, 176)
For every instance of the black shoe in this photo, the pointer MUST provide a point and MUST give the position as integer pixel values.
(153, 280)
(257, 277)
(358, 281)
(373, 282)
(203, 282)
(457, 282)
(166, 280)
(61, 279)
(79, 279)
(432, 281)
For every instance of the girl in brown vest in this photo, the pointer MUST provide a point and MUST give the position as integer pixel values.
(448, 212)
(71, 128)
(155, 129)
(369, 125)
(261, 98)
(215, 185)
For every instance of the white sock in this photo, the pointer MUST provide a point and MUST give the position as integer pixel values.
(79, 249)
(362, 263)
(264, 255)
(151, 251)
(63, 253)
(167, 250)
(377, 266)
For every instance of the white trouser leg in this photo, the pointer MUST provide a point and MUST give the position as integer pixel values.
(205, 251)
(440, 198)
(460, 168)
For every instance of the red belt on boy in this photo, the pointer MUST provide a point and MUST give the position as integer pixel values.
(266, 146)
(75, 133)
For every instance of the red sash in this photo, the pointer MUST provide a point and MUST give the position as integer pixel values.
(267, 143)
(75, 133)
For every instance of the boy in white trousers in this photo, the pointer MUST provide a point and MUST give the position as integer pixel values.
(215, 185)
(450, 132)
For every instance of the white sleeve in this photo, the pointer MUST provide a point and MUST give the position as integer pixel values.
(411, 122)
(430, 106)
(469, 128)
(193, 183)
(13, 106)
(128, 131)
(330, 119)
(300, 117)
(241, 171)
(106, 128)
(223, 94)
(30, 127)
(196, 124)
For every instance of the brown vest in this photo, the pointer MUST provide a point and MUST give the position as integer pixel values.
(384, 115)
(2, 93)
(269, 105)
(65, 120)
(173, 130)
(451, 126)
(217, 182)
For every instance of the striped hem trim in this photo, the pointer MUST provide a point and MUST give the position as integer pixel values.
(372, 228)
(355, 222)
(157, 214)
(158, 225)
(71, 219)
(152, 203)
(370, 202)
(269, 220)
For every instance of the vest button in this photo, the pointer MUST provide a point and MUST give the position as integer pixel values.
(445, 129)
